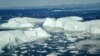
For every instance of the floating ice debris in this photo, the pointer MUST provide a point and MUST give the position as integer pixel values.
(74, 52)
(62, 50)
(60, 47)
(64, 41)
(16, 51)
(60, 41)
(71, 47)
(33, 50)
(58, 10)
(45, 45)
(23, 52)
(44, 51)
(52, 54)
(32, 46)
(72, 39)
(14, 54)
(23, 48)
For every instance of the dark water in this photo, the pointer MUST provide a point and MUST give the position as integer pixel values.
(87, 14)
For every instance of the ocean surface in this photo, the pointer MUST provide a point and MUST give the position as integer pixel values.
(87, 14)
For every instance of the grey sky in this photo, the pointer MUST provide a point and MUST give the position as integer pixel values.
(17, 3)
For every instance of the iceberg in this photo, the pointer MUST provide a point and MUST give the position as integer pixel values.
(16, 25)
(37, 32)
(75, 26)
(72, 24)
(16, 37)
(49, 22)
(64, 19)
(26, 20)
(52, 25)
(4, 39)
(94, 26)
(19, 22)
(95, 30)
(59, 23)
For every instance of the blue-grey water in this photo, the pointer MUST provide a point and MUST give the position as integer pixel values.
(87, 14)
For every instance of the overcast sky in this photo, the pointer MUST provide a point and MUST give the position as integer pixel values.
(17, 3)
